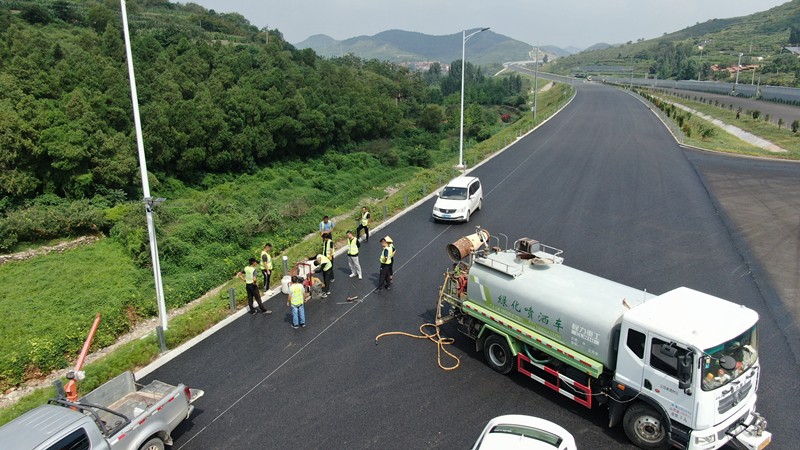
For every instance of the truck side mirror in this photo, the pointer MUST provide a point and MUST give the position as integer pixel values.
(685, 371)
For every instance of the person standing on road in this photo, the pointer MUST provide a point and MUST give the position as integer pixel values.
(250, 278)
(327, 251)
(296, 299)
(326, 226)
(266, 265)
(386, 264)
(394, 252)
(325, 266)
(363, 224)
(352, 255)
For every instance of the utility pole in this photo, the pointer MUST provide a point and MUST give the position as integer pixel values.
(535, 83)
(148, 201)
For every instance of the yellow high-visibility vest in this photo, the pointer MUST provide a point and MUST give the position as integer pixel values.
(352, 246)
(265, 265)
(386, 255)
(249, 274)
(298, 293)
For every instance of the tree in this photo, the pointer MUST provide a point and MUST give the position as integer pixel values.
(431, 118)
(35, 14)
(794, 35)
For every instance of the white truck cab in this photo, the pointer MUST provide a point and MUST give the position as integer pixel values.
(694, 357)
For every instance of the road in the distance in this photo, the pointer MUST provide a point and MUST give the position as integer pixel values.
(604, 181)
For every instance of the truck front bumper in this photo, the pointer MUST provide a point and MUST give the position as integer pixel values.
(746, 432)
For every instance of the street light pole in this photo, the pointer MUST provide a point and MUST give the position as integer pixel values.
(738, 69)
(700, 66)
(464, 38)
(535, 83)
(149, 202)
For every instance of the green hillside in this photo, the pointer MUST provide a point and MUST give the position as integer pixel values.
(760, 37)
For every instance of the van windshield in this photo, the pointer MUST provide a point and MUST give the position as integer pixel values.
(454, 193)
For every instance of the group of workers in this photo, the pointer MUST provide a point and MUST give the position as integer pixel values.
(298, 294)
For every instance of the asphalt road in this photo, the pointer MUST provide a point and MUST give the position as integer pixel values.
(603, 181)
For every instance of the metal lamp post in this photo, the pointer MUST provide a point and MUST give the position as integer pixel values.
(464, 37)
(700, 67)
(149, 202)
(738, 69)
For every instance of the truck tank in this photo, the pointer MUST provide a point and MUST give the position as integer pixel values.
(577, 309)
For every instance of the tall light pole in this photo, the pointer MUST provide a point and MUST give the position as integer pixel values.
(464, 37)
(738, 69)
(535, 83)
(149, 202)
(700, 66)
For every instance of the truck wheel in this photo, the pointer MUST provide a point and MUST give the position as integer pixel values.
(498, 355)
(153, 444)
(645, 427)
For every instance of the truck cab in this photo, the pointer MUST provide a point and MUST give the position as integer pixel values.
(692, 361)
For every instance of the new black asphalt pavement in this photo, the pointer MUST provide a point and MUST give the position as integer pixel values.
(605, 182)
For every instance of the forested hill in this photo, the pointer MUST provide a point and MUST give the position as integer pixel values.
(214, 96)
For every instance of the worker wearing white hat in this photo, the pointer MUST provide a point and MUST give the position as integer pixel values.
(394, 253)
(384, 280)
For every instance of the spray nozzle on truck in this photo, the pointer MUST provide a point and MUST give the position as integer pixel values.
(680, 368)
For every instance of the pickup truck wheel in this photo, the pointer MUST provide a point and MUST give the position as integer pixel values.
(645, 427)
(498, 354)
(153, 444)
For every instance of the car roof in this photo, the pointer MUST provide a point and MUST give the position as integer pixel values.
(462, 181)
(36, 426)
(492, 441)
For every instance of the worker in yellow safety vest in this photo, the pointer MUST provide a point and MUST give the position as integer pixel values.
(386, 264)
(266, 265)
(363, 224)
(327, 251)
(250, 278)
(296, 299)
(352, 255)
(325, 266)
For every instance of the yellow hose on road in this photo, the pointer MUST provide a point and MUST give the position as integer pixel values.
(433, 337)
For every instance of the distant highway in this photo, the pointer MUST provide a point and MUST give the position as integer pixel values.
(604, 181)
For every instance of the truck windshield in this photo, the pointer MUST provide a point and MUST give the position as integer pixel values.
(741, 352)
(454, 193)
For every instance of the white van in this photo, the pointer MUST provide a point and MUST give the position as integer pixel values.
(459, 199)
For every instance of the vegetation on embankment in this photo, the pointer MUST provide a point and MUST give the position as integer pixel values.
(704, 134)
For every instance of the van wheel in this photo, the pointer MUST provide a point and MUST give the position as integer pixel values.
(498, 354)
(644, 426)
(153, 444)
(466, 218)
(480, 204)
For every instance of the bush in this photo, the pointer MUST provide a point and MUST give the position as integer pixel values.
(49, 217)
(795, 125)
(755, 114)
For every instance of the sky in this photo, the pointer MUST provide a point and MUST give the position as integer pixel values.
(563, 23)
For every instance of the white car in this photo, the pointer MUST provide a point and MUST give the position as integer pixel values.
(459, 199)
(524, 432)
